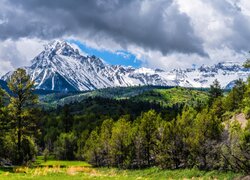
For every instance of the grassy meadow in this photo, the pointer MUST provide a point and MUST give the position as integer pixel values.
(60, 170)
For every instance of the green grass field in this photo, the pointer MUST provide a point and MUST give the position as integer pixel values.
(41, 163)
(76, 170)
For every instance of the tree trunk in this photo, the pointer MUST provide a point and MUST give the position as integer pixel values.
(148, 156)
(19, 137)
(19, 132)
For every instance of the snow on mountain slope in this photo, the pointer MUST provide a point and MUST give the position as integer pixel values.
(225, 72)
(61, 67)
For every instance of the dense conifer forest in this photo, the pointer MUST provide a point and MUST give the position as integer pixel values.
(171, 128)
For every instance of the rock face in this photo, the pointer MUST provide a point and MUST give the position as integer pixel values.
(60, 67)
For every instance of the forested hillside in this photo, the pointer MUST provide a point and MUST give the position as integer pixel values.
(136, 127)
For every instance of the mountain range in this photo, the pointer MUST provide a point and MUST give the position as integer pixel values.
(61, 67)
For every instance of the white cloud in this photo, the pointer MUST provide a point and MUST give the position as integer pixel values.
(18, 53)
(245, 6)
(210, 24)
(5, 67)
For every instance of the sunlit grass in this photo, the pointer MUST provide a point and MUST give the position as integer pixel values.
(74, 170)
(64, 163)
(50, 162)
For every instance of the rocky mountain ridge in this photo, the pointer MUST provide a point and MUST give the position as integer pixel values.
(60, 67)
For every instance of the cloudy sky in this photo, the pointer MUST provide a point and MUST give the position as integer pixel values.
(153, 33)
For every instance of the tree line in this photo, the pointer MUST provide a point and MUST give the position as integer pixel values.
(195, 138)
(127, 134)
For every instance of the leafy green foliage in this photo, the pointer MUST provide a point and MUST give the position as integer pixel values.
(134, 127)
(147, 128)
(120, 142)
(92, 148)
(65, 146)
(206, 135)
(194, 138)
(247, 63)
(234, 99)
(20, 120)
(246, 99)
(173, 96)
(215, 91)
(153, 141)
(236, 149)
(3, 112)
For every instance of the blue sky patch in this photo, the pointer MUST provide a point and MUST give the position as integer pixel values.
(119, 57)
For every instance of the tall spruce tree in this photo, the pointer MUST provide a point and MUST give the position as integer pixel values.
(246, 99)
(1, 97)
(105, 137)
(235, 97)
(215, 91)
(92, 148)
(148, 130)
(205, 138)
(3, 123)
(120, 143)
(247, 63)
(2, 109)
(21, 108)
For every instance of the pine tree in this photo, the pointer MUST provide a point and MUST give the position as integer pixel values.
(1, 97)
(22, 103)
(148, 123)
(245, 148)
(92, 148)
(218, 108)
(67, 118)
(173, 140)
(3, 124)
(205, 138)
(121, 142)
(247, 63)
(105, 137)
(163, 142)
(234, 99)
(215, 91)
(66, 146)
(81, 143)
(236, 150)
(246, 99)
(3, 111)
(138, 145)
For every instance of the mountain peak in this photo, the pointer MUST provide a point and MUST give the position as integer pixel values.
(60, 47)
(60, 67)
(55, 44)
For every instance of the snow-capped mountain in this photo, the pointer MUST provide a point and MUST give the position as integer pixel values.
(225, 72)
(61, 67)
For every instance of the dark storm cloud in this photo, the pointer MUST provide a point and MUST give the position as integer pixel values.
(153, 25)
